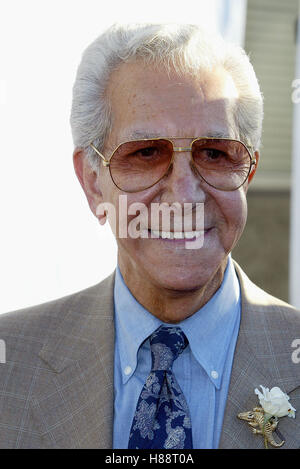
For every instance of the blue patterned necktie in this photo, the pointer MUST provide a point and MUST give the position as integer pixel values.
(162, 419)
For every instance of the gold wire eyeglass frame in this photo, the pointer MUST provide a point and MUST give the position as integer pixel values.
(247, 146)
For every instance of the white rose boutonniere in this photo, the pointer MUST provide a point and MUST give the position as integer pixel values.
(264, 420)
(275, 402)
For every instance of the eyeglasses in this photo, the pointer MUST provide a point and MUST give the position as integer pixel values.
(223, 163)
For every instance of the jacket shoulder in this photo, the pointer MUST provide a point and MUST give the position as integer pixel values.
(259, 300)
(50, 312)
(23, 332)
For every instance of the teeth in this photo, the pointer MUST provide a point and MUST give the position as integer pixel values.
(156, 234)
(166, 234)
(176, 234)
(192, 234)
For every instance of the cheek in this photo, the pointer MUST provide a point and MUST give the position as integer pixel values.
(238, 218)
(242, 207)
(233, 212)
(128, 214)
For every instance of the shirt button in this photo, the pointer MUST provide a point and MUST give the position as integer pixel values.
(127, 370)
(214, 374)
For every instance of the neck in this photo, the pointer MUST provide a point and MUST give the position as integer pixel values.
(171, 306)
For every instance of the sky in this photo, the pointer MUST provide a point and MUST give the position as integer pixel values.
(50, 243)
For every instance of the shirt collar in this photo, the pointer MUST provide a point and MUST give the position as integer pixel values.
(209, 330)
(133, 325)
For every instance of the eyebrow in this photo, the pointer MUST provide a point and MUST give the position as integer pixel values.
(140, 134)
(143, 134)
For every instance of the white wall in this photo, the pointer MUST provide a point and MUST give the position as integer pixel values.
(50, 244)
(232, 20)
(295, 193)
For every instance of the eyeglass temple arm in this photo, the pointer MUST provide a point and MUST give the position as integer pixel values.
(105, 161)
(253, 159)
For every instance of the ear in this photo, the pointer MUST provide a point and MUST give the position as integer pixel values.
(254, 167)
(89, 181)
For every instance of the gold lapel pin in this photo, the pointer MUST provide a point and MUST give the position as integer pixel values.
(264, 420)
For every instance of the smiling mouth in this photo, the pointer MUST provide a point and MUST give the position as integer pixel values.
(186, 235)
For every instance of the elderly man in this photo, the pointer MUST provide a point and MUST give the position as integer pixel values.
(169, 350)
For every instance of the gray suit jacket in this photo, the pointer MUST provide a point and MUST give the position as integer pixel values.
(56, 387)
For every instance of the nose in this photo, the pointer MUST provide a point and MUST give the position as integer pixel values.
(182, 183)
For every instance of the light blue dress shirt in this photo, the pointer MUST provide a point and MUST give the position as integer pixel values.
(203, 369)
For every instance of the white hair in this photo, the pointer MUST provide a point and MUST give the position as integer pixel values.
(185, 48)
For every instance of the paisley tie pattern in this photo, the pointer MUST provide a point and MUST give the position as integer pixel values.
(162, 419)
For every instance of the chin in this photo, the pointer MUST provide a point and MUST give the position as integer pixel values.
(181, 280)
(174, 319)
(187, 274)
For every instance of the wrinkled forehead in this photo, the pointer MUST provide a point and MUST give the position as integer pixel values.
(147, 102)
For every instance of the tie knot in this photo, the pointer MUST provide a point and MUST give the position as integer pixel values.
(166, 344)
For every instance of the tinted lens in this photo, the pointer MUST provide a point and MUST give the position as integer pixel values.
(137, 165)
(224, 164)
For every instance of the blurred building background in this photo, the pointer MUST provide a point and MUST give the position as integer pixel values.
(270, 38)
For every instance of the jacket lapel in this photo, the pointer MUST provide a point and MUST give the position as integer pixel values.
(255, 363)
(74, 402)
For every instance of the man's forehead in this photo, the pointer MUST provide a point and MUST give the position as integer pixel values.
(146, 106)
(134, 80)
